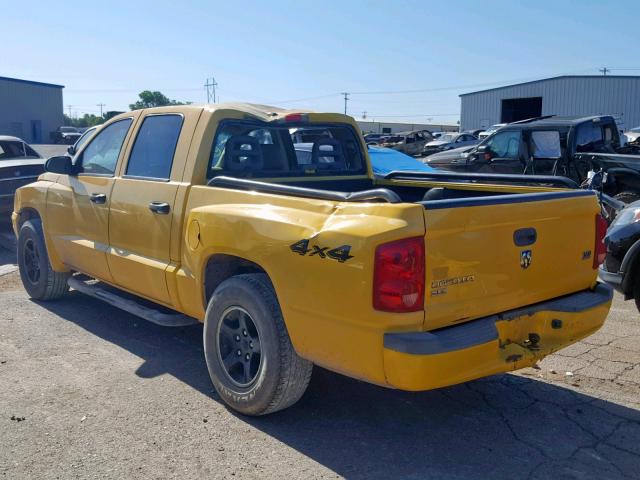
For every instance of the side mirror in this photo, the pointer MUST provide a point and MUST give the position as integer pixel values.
(484, 152)
(71, 150)
(61, 164)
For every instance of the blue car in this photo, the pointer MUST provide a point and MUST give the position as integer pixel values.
(385, 160)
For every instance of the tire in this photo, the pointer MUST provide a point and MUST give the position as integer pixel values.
(40, 281)
(244, 309)
(627, 196)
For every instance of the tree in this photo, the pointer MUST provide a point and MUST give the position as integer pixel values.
(149, 99)
(87, 120)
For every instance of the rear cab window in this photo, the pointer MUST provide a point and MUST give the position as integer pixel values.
(269, 150)
(152, 154)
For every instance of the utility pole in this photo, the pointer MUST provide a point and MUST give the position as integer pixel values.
(211, 89)
(101, 105)
(604, 70)
(346, 99)
(69, 107)
(364, 114)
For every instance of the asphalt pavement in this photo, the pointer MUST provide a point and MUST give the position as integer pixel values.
(91, 392)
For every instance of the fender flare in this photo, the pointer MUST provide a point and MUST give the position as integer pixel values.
(626, 267)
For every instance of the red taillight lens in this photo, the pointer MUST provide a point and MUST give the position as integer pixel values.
(398, 276)
(294, 117)
(600, 250)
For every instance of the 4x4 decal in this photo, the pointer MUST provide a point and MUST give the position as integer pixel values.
(341, 253)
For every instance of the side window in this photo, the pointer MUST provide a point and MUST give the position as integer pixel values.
(410, 139)
(83, 139)
(588, 137)
(505, 144)
(152, 153)
(101, 155)
(546, 144)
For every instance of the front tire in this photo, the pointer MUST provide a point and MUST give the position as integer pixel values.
(251, 361)
(40, 281)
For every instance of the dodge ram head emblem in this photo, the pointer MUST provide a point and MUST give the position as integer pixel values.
(525, 258)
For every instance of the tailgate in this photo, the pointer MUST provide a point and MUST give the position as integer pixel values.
(490, 254)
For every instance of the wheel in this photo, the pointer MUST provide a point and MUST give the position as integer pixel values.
(38, 278)
(249, 354)
(627, 196)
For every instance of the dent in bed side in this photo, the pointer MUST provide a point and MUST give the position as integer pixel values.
(260, 228)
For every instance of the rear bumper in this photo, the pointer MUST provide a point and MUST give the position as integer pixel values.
(500, 343)
(613, 279)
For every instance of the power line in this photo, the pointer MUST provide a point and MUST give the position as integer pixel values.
(346, 99)
(211, 85)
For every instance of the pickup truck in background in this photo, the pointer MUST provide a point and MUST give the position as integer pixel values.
(566, 146)
(65, 135)
(411, 280)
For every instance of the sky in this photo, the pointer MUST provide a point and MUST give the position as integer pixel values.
(403, 61)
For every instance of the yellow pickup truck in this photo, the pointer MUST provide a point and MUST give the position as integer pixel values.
(294, 254)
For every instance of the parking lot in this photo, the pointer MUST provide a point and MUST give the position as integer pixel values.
(92, 392)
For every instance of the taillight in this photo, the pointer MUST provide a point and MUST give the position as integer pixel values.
(398, 276)
(296, 117)
(600, 250)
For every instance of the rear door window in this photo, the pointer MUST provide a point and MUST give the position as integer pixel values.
(154, 148)
(546, 144)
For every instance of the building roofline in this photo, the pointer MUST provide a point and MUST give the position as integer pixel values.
(31, 82)
(637, 77)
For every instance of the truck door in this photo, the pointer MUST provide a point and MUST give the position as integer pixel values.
(504, 153)
(78, 205)
(142, 208)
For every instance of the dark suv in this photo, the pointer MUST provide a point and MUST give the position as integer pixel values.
(567, 146)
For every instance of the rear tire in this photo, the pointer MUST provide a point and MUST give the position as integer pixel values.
(636, 294)
(40, 281)
(251, 361)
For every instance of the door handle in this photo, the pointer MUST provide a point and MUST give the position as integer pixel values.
(161, 208)
(99, 198)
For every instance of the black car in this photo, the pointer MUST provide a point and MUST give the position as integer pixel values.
(621, 267)
(19, 164)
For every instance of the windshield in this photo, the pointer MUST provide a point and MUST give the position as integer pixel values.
(251, 149)
(13, 150)
(68, 130)
(447, 137)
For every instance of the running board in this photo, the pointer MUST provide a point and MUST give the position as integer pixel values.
(131, 306)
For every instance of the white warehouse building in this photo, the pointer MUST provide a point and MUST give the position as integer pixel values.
(618, 96)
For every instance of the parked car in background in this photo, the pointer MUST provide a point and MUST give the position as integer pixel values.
(73, 149)
(475, 132)
(386, 160)
(383, 160)
(410, 143)
(621, 267)
(65, 135)
(19, 165)
(490, 130)
(374, 138)
(449, 141)
(633, 135)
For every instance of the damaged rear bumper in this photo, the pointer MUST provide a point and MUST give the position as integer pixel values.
(495, 344)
